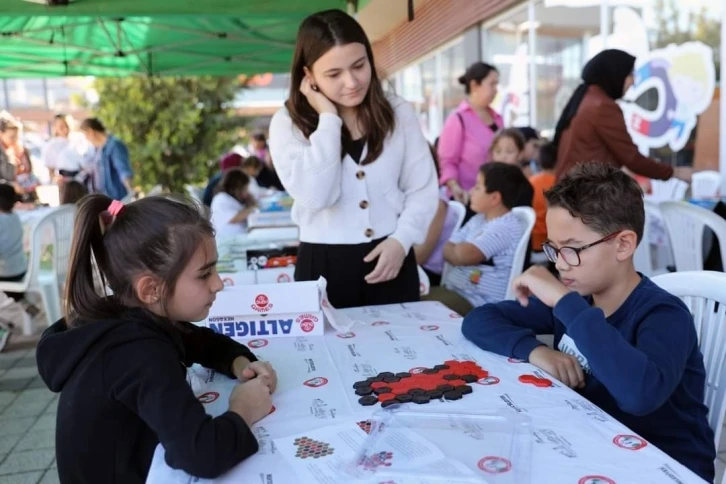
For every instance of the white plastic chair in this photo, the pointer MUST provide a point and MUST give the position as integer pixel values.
(528, 217)
(423, 280)
(460, 211)
(685, 224)
(668, 190)
(706, 184)
(48, 285)
(701, 291)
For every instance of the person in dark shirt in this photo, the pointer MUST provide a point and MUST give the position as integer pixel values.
(226, 163)
(621, 341)
(120, 361)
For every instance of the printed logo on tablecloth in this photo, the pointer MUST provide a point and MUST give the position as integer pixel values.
(596, 480)
(629, 442)
(262, 303)
(454, 315)
(316, 382)
(284, 278)
(514, 360)
(257, 343)
(208, 397)
(228, 281)
(365, 426)
(490, 380)
(307, 322)
(429, 327)
(417, 370)
(345, 335)
(494, 465)
(380, 323)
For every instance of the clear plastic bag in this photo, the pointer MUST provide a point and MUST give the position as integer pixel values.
(408, 446)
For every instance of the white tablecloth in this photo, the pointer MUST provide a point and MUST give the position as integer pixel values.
(573, 440)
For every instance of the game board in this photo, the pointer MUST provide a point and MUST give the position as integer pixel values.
(449, 381)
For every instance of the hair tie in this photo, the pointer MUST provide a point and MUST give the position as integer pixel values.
(109, 216)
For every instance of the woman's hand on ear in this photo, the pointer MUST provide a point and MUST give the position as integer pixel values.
(317, 99)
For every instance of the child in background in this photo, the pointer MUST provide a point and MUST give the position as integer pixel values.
(232, 205)
(430, 254)
(529, 157)
(481, 252)
(13, 263)
(541, 182)
(72, 191)
(507, 146)
(252, 166)
(621, 341)
(120, 360)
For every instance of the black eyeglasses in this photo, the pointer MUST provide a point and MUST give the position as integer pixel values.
(571, 255)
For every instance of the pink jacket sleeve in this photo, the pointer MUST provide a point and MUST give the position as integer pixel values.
(450, 148)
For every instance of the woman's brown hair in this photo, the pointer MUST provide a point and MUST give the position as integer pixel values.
(154, 235)
(72, 192)
(318, 34)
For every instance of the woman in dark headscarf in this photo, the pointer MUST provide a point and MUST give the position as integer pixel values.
(592, 126)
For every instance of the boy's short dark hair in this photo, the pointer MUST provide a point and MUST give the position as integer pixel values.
(548, 156)
(604, 197)
(252, 162)
(506, 179)
(8, 197)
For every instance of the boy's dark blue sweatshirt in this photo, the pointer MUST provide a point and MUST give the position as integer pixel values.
(643, 365)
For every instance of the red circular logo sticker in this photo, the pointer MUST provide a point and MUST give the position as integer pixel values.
(345, 335)
(380, 323)
(307, 325)
(208, 397)
(417, 370)
(490, 380)
(629, 442)
(316, 382)
(257, 343)
(454, 315)
(228, 281)
(262, 300)
(429, 327)
(596, 480)
(514, 360)
(284, 278)
(495, 465)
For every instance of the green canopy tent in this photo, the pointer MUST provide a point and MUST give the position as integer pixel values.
(152, 37)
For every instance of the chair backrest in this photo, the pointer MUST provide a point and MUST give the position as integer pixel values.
(685, 224)
(706, 184)
(643, 257)
(668, 190)
(704, 292)
(423, 281)
(527, 216)
(62, 219)
(460, 210)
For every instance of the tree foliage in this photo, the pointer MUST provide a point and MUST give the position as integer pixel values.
(175, 128)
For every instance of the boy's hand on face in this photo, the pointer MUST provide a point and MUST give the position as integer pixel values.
(537, 281)
(562, 366)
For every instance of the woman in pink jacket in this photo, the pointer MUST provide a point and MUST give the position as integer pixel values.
(468, 132)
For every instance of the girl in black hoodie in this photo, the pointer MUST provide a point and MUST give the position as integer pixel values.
(120, 360)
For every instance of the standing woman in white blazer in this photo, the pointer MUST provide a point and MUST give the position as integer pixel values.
(357, 166)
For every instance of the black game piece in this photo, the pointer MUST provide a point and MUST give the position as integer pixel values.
(445, 388)
(363, 391)
(431, 371)
(391, 379)
(405, 398)
(374, 379)
(403, 374)
(464, 389)
(452, 377)
(361, 384)
(368, 401)
(452, 395)
(441, 367)
(435, 394)
(417, 391)
(470, 378)
(385, 374)
(420, 399)
(381, 390)
(388, 403)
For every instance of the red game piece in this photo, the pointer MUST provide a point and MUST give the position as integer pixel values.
(385, 397)
(533, 380)
(378, 384)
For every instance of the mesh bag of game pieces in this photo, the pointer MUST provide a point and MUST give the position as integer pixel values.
(409, 445)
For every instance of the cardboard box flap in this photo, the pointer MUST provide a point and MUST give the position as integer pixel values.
(298, 297)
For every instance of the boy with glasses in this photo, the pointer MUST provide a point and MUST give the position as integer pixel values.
(621, 341)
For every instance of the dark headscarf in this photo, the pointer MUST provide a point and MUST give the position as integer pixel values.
(608, 70)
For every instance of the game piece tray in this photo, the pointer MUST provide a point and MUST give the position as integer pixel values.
(410, 446)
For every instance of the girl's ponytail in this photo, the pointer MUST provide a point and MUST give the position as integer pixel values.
(83, 300)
